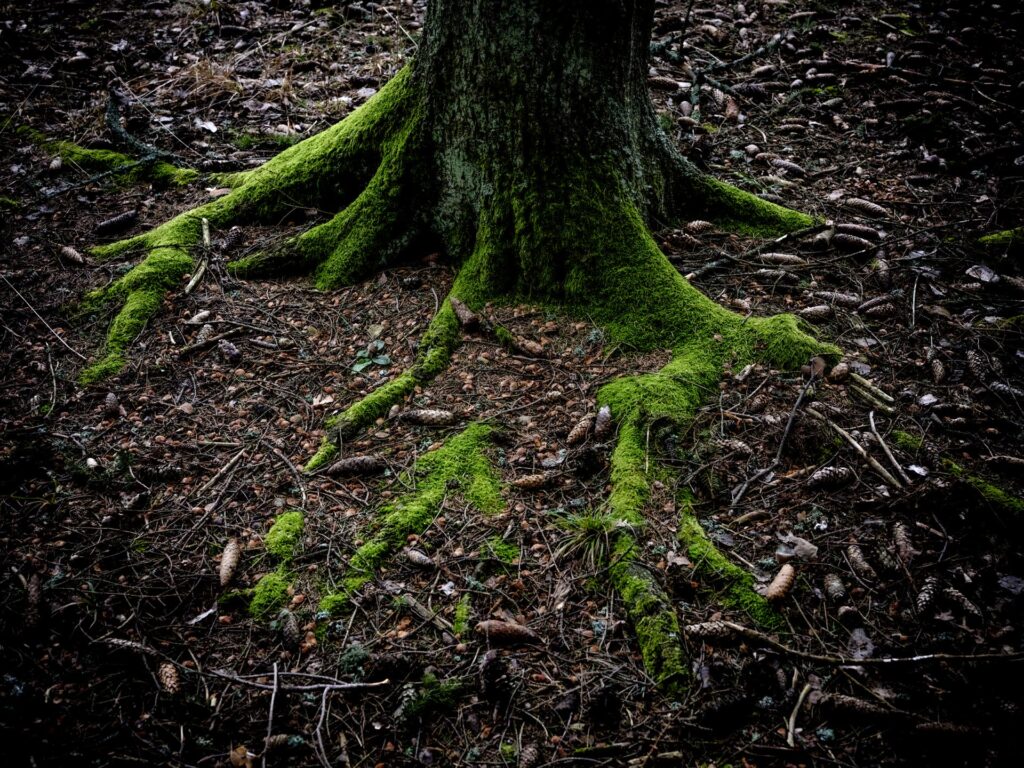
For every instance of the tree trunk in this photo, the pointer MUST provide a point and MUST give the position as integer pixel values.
(527, 101)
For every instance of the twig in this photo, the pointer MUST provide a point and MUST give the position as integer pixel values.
(334, 686)
(879, 394)
(741, 490)
(791, 725)
(295, 472)
(223, 471)
(199, 346)
(270, 717)
(885, 449)
(882, 471)
(33, 310)
(842, 661)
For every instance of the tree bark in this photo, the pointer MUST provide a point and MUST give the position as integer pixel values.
(526, 99)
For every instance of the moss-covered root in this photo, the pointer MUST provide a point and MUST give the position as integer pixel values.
(115, 164)
(330, 167)
(734, 584)
(377, 226)
(460, 464)
(1006, 241)
(650, 610)
(436, 349)
(996, 497)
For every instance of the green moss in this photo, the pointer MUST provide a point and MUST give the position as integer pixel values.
(270, 594)
(460, 463)
(1007, 240)
(9, 204)
(504, 337)
(992, 494)
(502, 550)
(435, 697)
(285, 535)
(334, 603)
(907, 441)
(652, 615)
(302, 175)
(744, 213)
(649, 609)
(996, 497)
(463, 610)
(122, 167)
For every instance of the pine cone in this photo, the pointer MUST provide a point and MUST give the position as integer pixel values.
(495, 681)
(229, 561)
(926, 596)
(579, 433)
(111, 405)
(419, 559)
(290, 631)
(229, 351)
(860, 563)
(938, 371)
(781, 584)
(167, 674)
(860, 230)
(731, 445)
(866, 208)
(603, 423)
(904, 546)
(506, 633)
(977, 365)
(817, 312)
(834, 587)
(830, 477)
(699, 227)
(709, 630)
(851, 243)
(357, 465)
(533, 482)
(118, 223)
(431, 417)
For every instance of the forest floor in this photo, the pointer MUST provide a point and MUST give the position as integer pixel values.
(120, 647)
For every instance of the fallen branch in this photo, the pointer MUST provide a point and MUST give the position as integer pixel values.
(719, 629)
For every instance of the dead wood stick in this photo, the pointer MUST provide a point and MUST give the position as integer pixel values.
(221, 472)
(199, 346)
(760, 637)
(882, 471)
(336, 685)
(885, 449)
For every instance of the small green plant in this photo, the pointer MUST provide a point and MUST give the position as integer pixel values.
(590, 537)
(460, 622)
(372, 355)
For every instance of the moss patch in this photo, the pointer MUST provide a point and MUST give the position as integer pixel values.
(1008, 239)
(333, 604)
(502, 550)
(121, 167)
(270, 594)
(284, 535)
(463, 611)
(992, 494)
(460, 463)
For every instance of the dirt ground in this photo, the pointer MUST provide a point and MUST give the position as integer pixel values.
(121, 647)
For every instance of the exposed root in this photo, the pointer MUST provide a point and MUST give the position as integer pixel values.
(649, 608)
(735, 585)
(460, 463)
(435, 353)
(303, 175)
